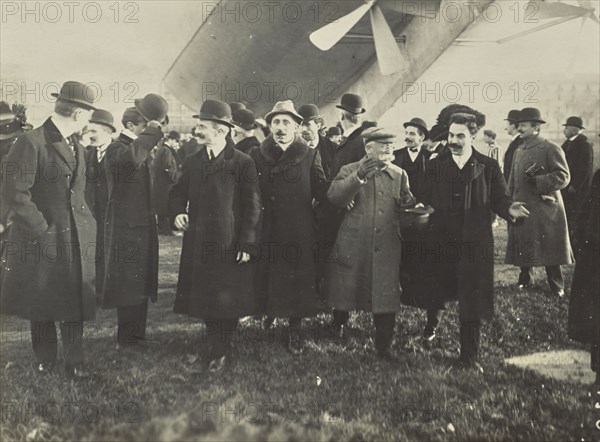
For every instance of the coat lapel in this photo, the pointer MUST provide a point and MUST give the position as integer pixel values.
(59, 144)
(291, 156)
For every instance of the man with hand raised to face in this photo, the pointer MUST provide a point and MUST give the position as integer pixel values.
(291, 177)
(464, 187)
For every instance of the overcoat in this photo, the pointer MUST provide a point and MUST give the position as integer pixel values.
(543, 238)
(222, 200)
(459, 246)
(286, 277)
(327, 150)
(584, 301)
(165, 175)
(247, 144)
(50, 252)
(580, 159)
(509, 156)
(364, 271)
(131, 236)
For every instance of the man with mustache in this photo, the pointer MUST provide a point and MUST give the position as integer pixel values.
(464, 187)
(364, 271)
(310, 129)
(291, 178)
(539, 172)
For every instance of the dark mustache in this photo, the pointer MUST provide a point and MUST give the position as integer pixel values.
(280, 133)
(453, 145)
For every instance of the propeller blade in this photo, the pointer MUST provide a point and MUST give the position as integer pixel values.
(326, 37)
(389, 56)
(541, 9)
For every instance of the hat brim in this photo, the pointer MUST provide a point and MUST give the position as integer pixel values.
(82, 104)
(574, 125)
(423, 128)
(216, 120)
(296, 117)
(354, 111)
(531, 120)
(12, 135)
(102, 123)
(246, 126)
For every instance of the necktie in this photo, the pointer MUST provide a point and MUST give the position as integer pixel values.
(211, 155)
(71, 143)
(414, 149)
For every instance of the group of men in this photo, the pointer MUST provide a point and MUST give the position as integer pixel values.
(288, 227)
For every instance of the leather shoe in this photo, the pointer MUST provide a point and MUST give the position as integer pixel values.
(77, 372)
(217, 365)
(44, 368)
(295, 346)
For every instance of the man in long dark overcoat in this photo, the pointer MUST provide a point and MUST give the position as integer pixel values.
(539, 172)
(50, 252)
(165, 175)
(291, 177)
(131, 238)
(464, 187)
(217, 203)
(512, 129)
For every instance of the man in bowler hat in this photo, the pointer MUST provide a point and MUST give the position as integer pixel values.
(244, 123)
(49, 272)
(580, 158)
(539, 172)
(216, 202)
(131, 238)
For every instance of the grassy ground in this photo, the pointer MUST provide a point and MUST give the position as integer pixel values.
(326, 394)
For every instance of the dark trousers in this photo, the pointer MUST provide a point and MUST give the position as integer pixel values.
(44, 341)
(469, 340)
(384, 330)
(132, 323)
(220, 334)
(164, 225)
(554, 274)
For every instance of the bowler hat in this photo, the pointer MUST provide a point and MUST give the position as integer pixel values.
(334, 130)
(377, 134)
(352, 103)
(103, 117)
(513, 115)
(284, 107)
(217, 111)
(438, 133)
(153, 107)
(575, 122)
(420, 123)
(530, 114)
(77, 93)
(174, 135)
(309, 112)
(236, 106)
(244, 118)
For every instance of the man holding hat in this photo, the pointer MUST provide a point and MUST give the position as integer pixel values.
(49, 257)
(131, 238)
(538, 173)
(100, 131)
(363, 273)
(580, 158)
(216, 202)
(512, 129)
(243, 132)
(290, 178)
(312, 123)
(165, 175)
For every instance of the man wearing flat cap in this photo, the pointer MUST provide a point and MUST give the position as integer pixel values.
(512, 129)
(464, 187)
(580, 158)
(244, 123)
(312, 123)
(99, 131)
(291, 178)
(363, 273)
(539, 172)
(216, 202)
(165, 175)
(49, 258)
(131, 238)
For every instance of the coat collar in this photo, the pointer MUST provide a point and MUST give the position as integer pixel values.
(125, 139)
(227, 154)
(528, 144)
(473, 167)
(355, 134)
(292, 155)
(59, 143)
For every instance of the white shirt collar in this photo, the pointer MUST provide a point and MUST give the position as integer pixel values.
(129, 134)
(101, 150)
(285, 146)
(574, 136)
(413, 155)
(515, 136)
(351, 130)
(461, 160)
(61, 128)
(217, 149)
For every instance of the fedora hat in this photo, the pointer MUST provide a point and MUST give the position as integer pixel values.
(153, 107)
(215, 110)
(309, 112)
(530, 114)
(352, 103)
(420, 123)
(244, 118)
(103, 117)
(77, 93)
(284, 107)
(236, 106)
(513, 116)
(575, 122)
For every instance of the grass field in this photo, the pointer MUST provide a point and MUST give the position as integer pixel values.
(329, 393)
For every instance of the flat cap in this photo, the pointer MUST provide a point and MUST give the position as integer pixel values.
(378, 134)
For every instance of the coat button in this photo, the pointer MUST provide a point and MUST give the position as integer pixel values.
(380, 192)
(82, 207)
